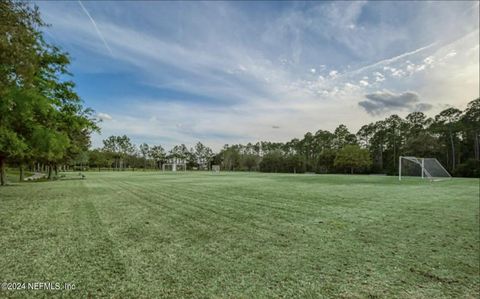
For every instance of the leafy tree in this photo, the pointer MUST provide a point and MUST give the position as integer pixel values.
(230, 157)
(326, 160)
(126, 148)
(50, 147)
(447, 124)
(19, 43)
(293, 163)
(158, 154)
(394, 125)
(199, 154)
(67, 113)
(249, 161)
(471, 127)
(98, 158)
(422, 144)
(378, 143)
(272, 162)
(10, 145)
(145, 151)
(209, 155)
(178, 154)
(120, 147)
(343, 137)
(352, 156)
(417, 121)
(36, 101)
(21, 124)
(365, 134)
(112, 147)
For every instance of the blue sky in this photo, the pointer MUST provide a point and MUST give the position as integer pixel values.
(229, 72)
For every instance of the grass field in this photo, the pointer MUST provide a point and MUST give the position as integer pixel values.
(242, 235)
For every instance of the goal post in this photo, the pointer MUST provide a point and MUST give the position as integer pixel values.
(429, 168)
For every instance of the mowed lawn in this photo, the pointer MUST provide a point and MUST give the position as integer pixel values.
(242, 235)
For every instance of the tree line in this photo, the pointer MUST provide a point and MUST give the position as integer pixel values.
(44, 125)
(452, 136)
(42, 119)
(120, 153)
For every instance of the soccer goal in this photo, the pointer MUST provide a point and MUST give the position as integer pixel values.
(174, 167)
(426, 168)
(215, 168)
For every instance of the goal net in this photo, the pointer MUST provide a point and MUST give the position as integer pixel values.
(428, 168)
(215, 168)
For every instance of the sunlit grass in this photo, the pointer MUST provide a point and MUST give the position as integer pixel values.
(242, 235)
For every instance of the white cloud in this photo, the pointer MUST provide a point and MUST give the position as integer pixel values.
(363, 83)
(429, 60)
(379, 77)
(103, 116)
(420, 68)
(333, 74)
(398, 73)
(451, 54)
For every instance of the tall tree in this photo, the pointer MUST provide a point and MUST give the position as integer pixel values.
(112, 147)
(145, 151)
(343, 137)
(199, 154)
(365, 134)
(126, 148)
(158, 154)
(50, 147)
(352, 156)
(447, 125)
(19, 43)
(471, 126)
(394, 125)
(35, 98)
(416, 121)
(68, 115)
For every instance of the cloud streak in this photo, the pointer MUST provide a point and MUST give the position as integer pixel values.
(391, 60)
(96, 28)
